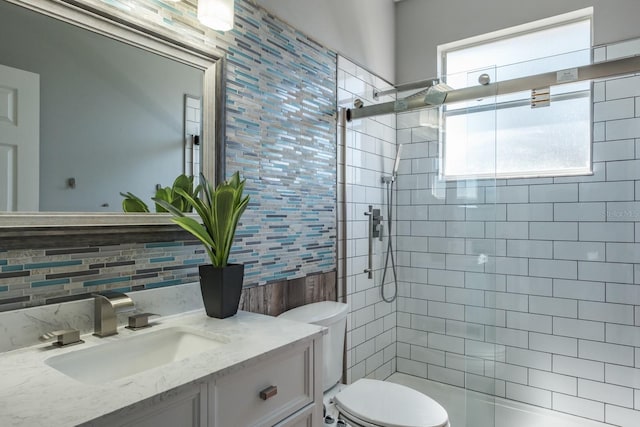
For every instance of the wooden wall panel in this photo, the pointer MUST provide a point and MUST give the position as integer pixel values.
(277, 297)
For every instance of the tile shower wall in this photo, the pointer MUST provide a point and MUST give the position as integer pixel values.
(281, 135)
(366, 154)
(192, 130)
(532, 290)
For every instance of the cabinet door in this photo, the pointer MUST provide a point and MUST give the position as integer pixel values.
(302, 418)
(183, 408)
(266, 392)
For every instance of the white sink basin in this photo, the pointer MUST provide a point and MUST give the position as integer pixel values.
(132, 355)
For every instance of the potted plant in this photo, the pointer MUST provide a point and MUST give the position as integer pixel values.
(219, 210)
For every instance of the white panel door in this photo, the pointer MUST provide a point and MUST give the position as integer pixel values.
(19, 140)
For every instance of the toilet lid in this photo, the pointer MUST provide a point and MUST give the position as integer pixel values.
(390, 404)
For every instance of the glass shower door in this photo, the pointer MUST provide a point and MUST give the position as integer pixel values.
(446, 312)
(468, 162)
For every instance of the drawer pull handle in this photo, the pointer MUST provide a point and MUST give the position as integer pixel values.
(269, 392)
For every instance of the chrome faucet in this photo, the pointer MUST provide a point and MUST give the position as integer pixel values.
(107, 305)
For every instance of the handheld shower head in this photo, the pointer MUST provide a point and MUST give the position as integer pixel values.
(396, 164)
(389, 179)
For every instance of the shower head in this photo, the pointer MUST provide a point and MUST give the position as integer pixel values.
(389, 179)
(437, 94)
(397, 161)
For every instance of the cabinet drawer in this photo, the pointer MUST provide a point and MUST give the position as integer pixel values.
(267, 392)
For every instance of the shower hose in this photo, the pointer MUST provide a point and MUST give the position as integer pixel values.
(389, 248)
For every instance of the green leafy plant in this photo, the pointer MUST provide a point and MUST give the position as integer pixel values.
(219, 209)
(133, 203)
(170, 195)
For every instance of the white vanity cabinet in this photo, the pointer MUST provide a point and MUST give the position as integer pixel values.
(260, 371)
(282, 388)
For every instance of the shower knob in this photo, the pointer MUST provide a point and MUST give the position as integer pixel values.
(484, 79)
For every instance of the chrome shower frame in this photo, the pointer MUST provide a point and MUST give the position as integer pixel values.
(598, 70)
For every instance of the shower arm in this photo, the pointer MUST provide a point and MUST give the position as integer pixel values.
(587, 72)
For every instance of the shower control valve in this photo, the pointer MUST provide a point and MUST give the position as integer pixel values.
(377, 224)
(379, 230)
(374, 230)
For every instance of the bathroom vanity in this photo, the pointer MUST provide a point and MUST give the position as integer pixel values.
(184, 370)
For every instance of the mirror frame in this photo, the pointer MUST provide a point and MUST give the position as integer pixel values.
(153, 38)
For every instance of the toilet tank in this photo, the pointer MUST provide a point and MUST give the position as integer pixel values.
(333, 315)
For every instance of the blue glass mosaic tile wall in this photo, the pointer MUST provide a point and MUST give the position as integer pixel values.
(281, 135)
(35, 277)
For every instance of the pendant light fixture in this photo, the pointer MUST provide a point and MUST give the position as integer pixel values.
(216, 14)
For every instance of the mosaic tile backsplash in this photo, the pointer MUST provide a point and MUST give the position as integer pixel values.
(281, 109)
(36, 277)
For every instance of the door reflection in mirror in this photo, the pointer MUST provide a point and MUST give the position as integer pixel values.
(112, 115)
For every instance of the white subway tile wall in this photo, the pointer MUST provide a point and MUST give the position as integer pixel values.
(528, 288)
(364, 156)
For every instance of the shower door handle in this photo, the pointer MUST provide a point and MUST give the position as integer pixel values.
(369, 269)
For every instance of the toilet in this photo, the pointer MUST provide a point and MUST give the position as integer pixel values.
(366, 402)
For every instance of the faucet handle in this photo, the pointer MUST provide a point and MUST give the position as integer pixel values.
(65, 337)
(139, 321)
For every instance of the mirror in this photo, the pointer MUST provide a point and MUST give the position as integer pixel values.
(109, 110)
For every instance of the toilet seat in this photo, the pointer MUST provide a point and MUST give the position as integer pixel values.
(377, 403)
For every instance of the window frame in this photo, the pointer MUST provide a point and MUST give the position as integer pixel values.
(443, 50)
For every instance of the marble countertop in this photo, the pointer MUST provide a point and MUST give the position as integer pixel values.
(35, 394)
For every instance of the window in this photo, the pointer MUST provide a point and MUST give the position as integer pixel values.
(503, 136)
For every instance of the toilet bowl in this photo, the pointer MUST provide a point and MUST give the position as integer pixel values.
(374, 403)
(366, 402)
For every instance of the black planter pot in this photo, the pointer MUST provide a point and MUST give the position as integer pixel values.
(221, 288)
